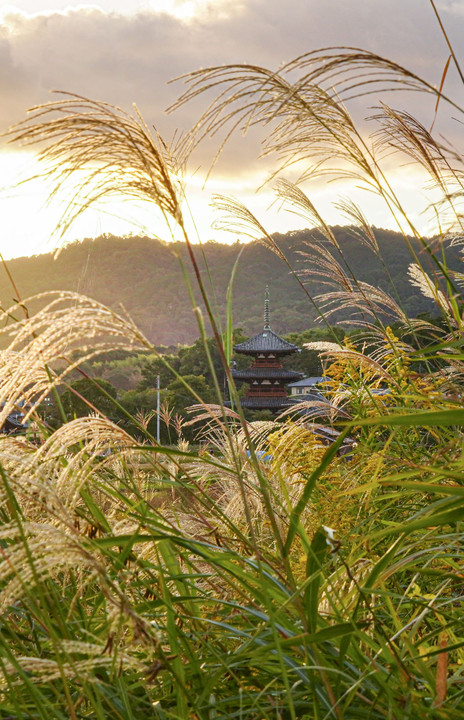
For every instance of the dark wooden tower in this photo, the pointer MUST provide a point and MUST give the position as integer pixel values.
(267, 378)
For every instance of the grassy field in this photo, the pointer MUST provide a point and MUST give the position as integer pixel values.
(139, 581)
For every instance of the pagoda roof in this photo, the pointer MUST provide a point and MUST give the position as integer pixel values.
(266, 341)
(264, 373)
(258, 402)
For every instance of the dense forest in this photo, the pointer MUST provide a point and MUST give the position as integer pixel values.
(143, 276)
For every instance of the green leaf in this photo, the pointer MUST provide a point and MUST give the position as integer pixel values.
(309, 487)
(423, 419)
(316, 554)
(447, 517)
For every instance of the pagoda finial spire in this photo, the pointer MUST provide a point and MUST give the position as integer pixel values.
(267, 312)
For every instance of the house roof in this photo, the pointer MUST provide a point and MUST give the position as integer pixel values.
(308, 382)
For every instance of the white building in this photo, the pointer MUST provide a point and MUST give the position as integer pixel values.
(306, 386)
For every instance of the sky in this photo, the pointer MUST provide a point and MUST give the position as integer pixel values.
(125, 52)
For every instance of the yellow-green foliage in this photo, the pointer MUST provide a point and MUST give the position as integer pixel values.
(296, 452)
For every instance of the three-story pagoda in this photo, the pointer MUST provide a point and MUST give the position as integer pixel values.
(266, 378)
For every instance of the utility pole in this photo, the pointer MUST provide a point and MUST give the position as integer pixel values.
(158, 409)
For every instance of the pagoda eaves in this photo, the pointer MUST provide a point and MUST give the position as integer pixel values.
(266, 341)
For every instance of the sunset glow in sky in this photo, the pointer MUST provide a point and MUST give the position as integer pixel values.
(126, 52)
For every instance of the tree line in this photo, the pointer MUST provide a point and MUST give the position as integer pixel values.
(142, 276)
(124, 384)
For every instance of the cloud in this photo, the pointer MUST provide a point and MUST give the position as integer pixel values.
(124, 59)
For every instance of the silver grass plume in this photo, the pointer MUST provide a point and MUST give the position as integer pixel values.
(97, 151)
(101, 444)
(37, 356)
(306, 119)
(339, 352)
(360, 227)
(307, 122)
(364, 299)
(421, 280)
(237, 218)
(72, 664)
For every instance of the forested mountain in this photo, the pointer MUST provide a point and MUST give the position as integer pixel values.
(144, 276)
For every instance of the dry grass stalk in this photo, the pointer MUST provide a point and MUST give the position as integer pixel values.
(99, 151)
(67, 322)
(358, 359)
(421, 280)
(441, 680)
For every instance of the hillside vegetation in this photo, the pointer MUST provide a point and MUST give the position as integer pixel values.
(143, 276)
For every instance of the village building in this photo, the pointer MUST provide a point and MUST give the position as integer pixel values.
(306, 386)
(14, 423)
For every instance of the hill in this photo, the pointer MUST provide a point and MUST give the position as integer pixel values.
(144, 276)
